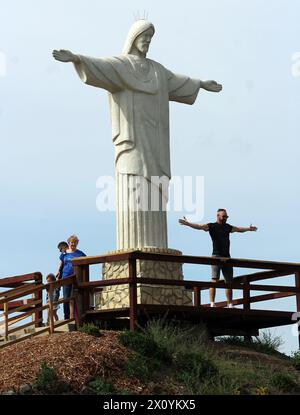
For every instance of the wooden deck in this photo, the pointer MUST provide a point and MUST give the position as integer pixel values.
(219, 321)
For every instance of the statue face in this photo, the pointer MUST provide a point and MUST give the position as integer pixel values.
(142, 42)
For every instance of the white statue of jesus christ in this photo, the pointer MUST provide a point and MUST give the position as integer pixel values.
(139, 93)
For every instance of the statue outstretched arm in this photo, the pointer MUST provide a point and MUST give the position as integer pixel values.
(96, 72)
(185, 89)
(64, 55)
(211, 86)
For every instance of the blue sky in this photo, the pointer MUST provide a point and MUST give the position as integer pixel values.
(56, 138)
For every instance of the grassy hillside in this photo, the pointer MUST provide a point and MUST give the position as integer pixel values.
(161, 359)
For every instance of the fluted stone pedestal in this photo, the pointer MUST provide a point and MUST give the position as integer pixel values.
(118, 296)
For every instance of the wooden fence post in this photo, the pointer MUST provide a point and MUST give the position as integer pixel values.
(132, 293)
(246, 294)
(75, 295)
(38, 295)
(297, 284)
(50, 308)
(5, 309)
(247, 304)
(86, 293)
(197, 297)
(78, 276)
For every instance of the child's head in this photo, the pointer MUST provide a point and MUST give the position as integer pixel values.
(50, 278)
(63, 246)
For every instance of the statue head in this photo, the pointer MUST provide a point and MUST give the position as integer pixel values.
(139, 38)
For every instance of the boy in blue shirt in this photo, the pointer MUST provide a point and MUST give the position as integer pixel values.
(62, 247)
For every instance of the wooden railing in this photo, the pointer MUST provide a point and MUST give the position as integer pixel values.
(25, 280)
(20, 280)
(17, 306)
(271, 269)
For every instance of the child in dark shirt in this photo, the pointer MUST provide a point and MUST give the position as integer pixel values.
(55, 296)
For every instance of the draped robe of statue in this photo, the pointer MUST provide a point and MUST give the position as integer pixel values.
(139, 93)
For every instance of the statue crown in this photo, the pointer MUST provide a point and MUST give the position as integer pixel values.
(138, 16)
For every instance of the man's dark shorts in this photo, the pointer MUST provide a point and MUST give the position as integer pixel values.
(226, 271)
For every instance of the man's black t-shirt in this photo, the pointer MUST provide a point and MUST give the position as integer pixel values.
(219, 233)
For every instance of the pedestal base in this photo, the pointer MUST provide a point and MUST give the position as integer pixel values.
(118, 296)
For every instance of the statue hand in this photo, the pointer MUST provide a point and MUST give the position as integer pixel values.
(211, 86)
(63, 55)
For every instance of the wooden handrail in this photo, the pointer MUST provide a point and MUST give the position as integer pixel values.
(18, 328)
(263, 275)
(189, 259)
(17, 308)
(17, 289)
(62, 300)
(187, 284)
(13, 320)
(253, 299)
(21, 293)
(26, 314)
(61, 282)
(19, 279)
(103, 283)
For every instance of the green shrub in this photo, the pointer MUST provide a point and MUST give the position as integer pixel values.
(101, 386)
(160, 343)
(138, 342)
(219, 385)
(233, 340)
(295, 359)
(124, 392)
(196, 364)
(144, 344)
(193, 369)
(283, 381)
(174, 336)
(240, 376)
(140, 367)
(47, 381)
(266, 343)
(91, 329)
(166, 334)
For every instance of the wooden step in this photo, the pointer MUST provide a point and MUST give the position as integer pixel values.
(61, 326)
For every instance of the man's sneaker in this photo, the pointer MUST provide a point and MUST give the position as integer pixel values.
(212, 305)
(230, 305)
